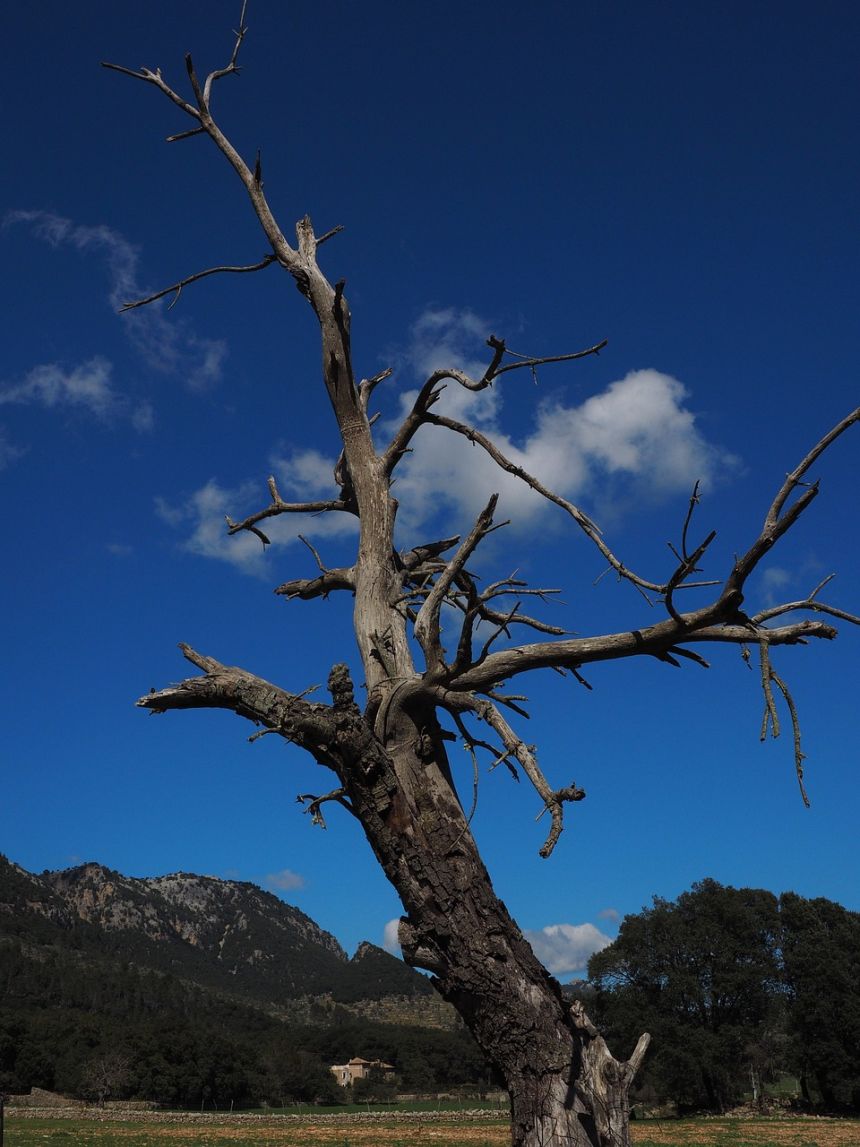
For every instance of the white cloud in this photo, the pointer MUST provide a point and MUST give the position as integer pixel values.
(304, 475)
(169, 344)
(638, 428)
(391, 937)
(88, 385)
(566, 948)
(609, 914)
(286, 880)
(202, 517)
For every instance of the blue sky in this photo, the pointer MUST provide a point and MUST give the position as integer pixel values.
(679, 179)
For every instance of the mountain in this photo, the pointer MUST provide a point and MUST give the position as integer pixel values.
(202, 989)
(225, 935)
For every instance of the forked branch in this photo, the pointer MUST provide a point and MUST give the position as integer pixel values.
(314, 804)
(589, 528)
(308, 724)
(780, 519)
(431, 391)
(279, 506)
(553, 799)
(427, 623)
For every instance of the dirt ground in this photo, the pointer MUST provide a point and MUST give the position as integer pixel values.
(722, 1132)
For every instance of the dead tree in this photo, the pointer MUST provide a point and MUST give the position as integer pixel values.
(388, 760)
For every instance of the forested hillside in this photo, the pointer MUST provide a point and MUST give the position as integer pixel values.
(188, 989)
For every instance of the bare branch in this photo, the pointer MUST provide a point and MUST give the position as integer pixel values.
(232, 68)
(771, 717)
(328, 582)
(367, 385)
(432, 389)
(156, 78)
(799, 755)
(314, 804)
(502, 627)
(427, 621)
(306, 723)
(330, 234)
(497, 618)
(690, 655)
(553, 799)
(779, 519)
(589, 528)
(635, 1060)
(811, 603)
(575, 652)
(793, 479)
(546, 360)
(185, 134)
(469, 746)
(320, 566)
(177, 287)
(694, 501)
(687, 566)
(279, 506)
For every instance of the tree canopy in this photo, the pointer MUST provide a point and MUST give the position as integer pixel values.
(737, 986)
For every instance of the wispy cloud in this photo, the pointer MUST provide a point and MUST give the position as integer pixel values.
(286, 880)
(9, 451)
(609, 914)
(143, 417)
(566, 948)
(88, 385)
(119, 549)
(774, 580)
(391, 936)
(169, 345)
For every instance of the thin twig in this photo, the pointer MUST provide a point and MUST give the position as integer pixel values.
(177, 287)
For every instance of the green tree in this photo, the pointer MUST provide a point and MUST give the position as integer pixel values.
(821, 956)
(376, 1087)
(703, 975)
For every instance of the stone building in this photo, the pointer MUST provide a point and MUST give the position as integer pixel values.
(358, 1068)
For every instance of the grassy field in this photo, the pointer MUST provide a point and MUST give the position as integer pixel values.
(224, 1132)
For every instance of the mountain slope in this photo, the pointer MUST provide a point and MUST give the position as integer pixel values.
(198, 990)
(226, 935)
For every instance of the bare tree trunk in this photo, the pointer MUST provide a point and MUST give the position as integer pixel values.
(390, 761)
(564, 1085)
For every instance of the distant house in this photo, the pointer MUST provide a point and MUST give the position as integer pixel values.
(357, 1068)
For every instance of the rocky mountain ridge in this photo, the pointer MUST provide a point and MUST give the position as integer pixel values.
(223, 935)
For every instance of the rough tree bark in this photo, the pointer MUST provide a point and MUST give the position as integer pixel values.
(389, 760)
